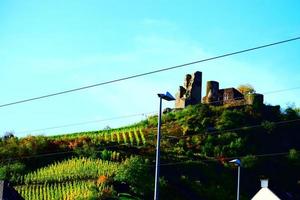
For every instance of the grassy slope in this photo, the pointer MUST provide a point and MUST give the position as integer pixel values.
(211, 134)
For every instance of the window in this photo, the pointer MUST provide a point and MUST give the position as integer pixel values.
(226, 97)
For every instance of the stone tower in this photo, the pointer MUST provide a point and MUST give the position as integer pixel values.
(191, 92)
(212, 89)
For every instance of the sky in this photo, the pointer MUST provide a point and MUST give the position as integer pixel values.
(51, 45)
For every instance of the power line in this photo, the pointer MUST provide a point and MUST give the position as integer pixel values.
(133, 115)
(172, 164)
(213, 159)
(176, 137)
(235, 129)
(264, 93)
(60, 153)
(151, 72)
(282, 90)
(86, 122)
(138, 114)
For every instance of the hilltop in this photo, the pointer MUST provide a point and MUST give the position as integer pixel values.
(197, 143)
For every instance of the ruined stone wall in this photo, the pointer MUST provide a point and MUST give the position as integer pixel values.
(212, 92)
(191, 92)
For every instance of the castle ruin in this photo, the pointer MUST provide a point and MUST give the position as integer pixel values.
(190, 94)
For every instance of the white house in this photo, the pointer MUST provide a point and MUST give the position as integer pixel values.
(265, 193)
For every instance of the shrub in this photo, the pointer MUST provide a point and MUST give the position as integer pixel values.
(249, 161)
(106, 155)
(135, 172)
(86, 150)
(231, 119)
(12, 171)
(293, 154)
(269, 126)
(290, 113)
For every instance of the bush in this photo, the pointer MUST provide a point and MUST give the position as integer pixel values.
(106, 155)
(269, 126)
(168, 117)
(293, 154)
(152, 121)
(249, 161)
(231, 119)
(12, 171)
(291, 113)
(194, 119)
(294, 157)
(225, 144)
(86, 150)
(135, 172)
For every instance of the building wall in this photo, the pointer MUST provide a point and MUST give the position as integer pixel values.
(190, 93)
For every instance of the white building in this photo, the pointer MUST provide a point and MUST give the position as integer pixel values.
(265, 193)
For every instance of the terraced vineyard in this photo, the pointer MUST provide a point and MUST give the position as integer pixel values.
(69, 179)
(74, 178)
(130, 136)
(69, 170)
(200, 138)
(58, 191)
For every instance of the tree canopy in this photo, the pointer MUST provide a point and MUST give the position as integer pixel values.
(246, 89)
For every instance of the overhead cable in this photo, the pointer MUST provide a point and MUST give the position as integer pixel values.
(164, 137)
(85, 122)
(151, 72)
(238, 128)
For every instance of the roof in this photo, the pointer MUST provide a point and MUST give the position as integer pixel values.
(235, 91)
(265, 194)
(7, 192)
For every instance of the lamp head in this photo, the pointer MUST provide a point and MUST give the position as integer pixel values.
(167, 96)
(236, 161)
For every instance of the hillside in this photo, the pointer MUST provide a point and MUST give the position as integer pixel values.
(197, 143)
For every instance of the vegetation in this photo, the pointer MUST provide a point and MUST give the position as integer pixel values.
(72, 169)
(198, 141)
(84, 178)
(246, 89)
(67, 190)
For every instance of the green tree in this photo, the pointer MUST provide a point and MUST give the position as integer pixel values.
(231, 119)
(246, 89)
(86, 150)
(12, 171)
(249, 161)
(193, 119)
(291, 113)
(293, 154)
(269, 126)
(135, 172)
(106, 155)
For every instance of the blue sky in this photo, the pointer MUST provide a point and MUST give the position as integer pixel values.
(50, 46)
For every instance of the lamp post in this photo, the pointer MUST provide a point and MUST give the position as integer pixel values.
(167, 97)
(237, 162)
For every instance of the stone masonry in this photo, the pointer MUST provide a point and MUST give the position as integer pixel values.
(190, 93)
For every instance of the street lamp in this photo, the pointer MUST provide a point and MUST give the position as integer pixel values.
(167, 97)
(237, 162)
